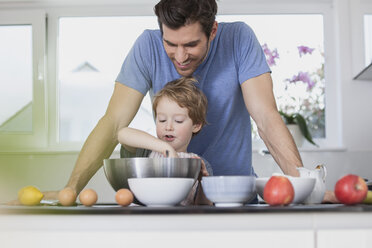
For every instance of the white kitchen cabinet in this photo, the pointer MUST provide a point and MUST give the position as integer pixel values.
(163, 239)
(165, 230)
(344, 238)
(225, 230)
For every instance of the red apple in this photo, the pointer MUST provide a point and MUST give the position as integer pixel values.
(278, 191)
(351, 189)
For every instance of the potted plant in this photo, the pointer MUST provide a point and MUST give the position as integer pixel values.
(302, 92)
(299, 121)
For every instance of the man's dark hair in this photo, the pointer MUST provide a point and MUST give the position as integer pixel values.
(177, 13)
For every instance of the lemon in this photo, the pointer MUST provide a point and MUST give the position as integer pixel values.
(368, 199)
(30, 196)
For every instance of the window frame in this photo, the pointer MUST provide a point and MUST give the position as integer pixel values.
(358, 11)
(37, 138)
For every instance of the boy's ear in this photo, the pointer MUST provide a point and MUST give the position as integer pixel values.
(196, 128)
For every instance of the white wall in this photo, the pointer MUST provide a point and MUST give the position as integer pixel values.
(50, 171)
(47, 171)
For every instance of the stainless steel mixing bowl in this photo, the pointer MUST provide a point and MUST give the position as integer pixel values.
(118, 171)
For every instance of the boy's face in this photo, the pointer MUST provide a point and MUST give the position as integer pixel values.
(187, 46)
(173, 124)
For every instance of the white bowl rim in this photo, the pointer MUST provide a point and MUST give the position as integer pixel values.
(161, 178)
(289, 177)
(230, 176)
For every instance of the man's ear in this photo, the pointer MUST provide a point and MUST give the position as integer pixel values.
(213, 31)
(196, 128)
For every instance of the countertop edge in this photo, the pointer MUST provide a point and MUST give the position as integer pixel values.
(181, 210)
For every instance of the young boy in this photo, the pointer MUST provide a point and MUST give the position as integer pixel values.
(180, 113)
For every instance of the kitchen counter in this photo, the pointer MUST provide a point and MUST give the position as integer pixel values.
(309, 226)
(135, 209)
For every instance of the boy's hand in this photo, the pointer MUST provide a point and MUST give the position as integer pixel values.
(171, 153)
(203, 169)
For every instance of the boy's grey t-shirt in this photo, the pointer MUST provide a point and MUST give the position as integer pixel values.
(234, 57)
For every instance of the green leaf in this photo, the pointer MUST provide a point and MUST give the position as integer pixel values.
(288, 119)
(303, 127)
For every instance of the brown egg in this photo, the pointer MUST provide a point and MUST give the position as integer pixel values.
(124, 197)
(67, 196)
(88, 197)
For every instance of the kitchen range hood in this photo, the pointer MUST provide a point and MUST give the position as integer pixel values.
(365, 74)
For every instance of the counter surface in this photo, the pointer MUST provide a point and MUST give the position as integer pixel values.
(135, 209)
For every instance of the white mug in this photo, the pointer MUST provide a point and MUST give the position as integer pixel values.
(319, 173)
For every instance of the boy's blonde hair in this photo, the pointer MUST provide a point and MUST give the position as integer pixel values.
(184, 92)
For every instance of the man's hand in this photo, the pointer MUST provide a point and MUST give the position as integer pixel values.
(330, 197)
(13, 203)
(50, 195)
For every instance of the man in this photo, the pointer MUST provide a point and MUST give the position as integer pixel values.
(230, 66)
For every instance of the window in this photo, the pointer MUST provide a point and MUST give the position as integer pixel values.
(16, 78)
(368, 38)
(87, 45)
(294, 48)
(90, 53)
(92, 49)
(22, 85)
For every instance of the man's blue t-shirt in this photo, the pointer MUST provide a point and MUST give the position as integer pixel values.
(234, 57)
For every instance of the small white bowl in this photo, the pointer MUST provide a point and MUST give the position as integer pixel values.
(229, 191)
(160, 191)
(302, 187)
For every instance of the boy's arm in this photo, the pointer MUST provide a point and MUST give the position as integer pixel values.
(132, 138)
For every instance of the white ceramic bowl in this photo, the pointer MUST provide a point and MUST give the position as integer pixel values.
(229, 191)
(160, 191)
(302, 187)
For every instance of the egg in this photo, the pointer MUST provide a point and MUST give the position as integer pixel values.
(124, 197)
(88, 197)
(67, 196)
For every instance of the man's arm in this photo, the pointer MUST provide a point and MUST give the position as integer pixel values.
(122, 108)
(260, 102)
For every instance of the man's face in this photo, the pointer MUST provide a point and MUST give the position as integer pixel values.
(187, 46)
(173, 124)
